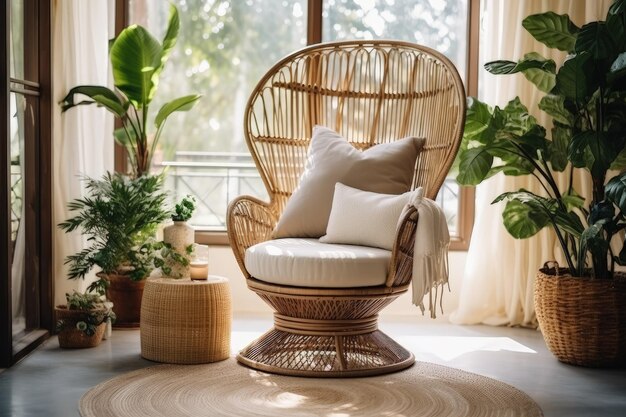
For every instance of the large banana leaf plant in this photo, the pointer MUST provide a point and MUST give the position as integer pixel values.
(137, 59)
(586, 98)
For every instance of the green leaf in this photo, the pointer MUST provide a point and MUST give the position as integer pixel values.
(102, 96)
(616, 25)
(523, 220)
(543, 78)
(554, 105)
(618, 6)
(169, 40)
(477, 117)
(592, 150)
(474, 166)
(571, 80)
(122, 137)
(572, 200)
(135, 55)
(619, 164)
(595, 39)
(542, 206)
(180, 104)
(558, 148)
(171, 34)
(615, 191)
(496, 123)
(618, 68)
(568, 221)
(592, 239)
(544, 81)
(553, 30)
(510, 67)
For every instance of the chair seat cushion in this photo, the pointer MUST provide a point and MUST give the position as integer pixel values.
(310, 263)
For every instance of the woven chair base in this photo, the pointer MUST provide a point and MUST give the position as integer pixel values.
(330, 332)
(326, 355)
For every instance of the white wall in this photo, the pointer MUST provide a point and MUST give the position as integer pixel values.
(222, 262)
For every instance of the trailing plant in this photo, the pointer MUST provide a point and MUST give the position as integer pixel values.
(120, 216)
(95, 312)
(184, 209)
(137, 59)
(586, 98)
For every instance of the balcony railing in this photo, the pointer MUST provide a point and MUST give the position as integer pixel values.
(215, 178)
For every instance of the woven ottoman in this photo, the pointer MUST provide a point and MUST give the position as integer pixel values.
(185, 321)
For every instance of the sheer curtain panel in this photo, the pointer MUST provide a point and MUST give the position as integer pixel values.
(83, 138)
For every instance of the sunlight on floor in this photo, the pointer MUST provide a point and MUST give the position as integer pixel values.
(448, 348)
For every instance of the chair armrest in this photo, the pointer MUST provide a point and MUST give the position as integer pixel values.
(249, 221)
(401, 263)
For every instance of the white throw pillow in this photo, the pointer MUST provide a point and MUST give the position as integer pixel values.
(386, 168)
(364, 218)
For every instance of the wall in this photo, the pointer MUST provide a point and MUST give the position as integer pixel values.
(222, 262)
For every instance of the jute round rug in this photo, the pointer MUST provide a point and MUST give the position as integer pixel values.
(229, 389)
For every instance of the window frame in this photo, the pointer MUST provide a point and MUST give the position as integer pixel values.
(460, 241)
(36, 84)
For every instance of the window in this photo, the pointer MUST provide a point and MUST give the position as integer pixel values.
(223, 49)
(438, 24)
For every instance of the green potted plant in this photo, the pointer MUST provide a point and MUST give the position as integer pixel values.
(180, 236)
(120, 216)
(580, 308)
(81, 323)
(137, 59)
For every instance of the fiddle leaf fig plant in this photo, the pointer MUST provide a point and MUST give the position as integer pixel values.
(586, 99)
(137, 59)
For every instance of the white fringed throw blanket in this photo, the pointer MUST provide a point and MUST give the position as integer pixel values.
(430, 255)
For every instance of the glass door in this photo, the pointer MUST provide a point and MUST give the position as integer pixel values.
(25, 155)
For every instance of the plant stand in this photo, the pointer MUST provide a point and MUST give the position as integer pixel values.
(583, 320)
(185, 321)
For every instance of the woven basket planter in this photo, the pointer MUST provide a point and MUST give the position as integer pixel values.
(583, 320)
(72, 338)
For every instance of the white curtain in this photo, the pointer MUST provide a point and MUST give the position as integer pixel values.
(498, 284)
(83, 140)
(18, 270)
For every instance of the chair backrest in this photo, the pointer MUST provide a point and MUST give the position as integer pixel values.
(370, 92)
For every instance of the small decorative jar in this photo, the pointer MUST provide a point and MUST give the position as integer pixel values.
(180, 236)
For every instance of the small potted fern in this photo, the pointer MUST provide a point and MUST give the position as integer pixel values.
(81, 323)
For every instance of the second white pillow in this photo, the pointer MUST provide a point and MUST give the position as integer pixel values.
(364, 218)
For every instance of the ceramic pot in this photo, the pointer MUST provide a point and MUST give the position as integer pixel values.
(180, 235)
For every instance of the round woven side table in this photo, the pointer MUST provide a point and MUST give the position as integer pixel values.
(185, 321)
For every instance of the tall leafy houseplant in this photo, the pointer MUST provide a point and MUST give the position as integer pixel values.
(586, 98)
(137, 59)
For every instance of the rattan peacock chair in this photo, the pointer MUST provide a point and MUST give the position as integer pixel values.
(370, 92)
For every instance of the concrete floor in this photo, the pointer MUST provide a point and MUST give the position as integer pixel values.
(51, 381)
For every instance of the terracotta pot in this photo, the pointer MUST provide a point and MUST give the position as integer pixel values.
(125, 294)
(72, 338)
(583, 320)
